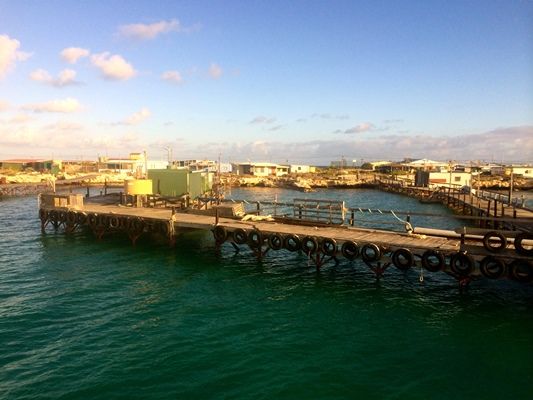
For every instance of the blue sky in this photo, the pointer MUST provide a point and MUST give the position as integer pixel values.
(298, 81)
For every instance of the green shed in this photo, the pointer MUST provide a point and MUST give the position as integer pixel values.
(177, 182)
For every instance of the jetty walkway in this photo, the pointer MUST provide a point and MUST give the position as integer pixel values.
(24, 189)
(487, 209)
(318, 228)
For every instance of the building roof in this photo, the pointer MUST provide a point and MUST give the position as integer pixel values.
(425, 161)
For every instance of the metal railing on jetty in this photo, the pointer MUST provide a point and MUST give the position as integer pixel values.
(335, 213)
(486, 208)
(25, 189)
(324, 230)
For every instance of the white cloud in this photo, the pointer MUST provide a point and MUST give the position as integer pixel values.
(508, 144)
(64, 126)
(10, 54)
(172, 76)
(20, 119)
(73, 54)
(68, 105)
(65, 77)
(150, 31)
(4, 105)
(138, 117)
(113, 67)
(261, 119)
(361, 128)
(40, 75)
(215, 71)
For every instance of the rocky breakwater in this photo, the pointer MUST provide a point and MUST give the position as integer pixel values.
(302, 182)
(503, 182)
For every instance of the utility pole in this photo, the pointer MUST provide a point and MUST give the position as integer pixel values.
(511, 187)
(450, 170)
(145, 165)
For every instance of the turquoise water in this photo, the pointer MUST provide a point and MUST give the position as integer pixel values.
(82, 319)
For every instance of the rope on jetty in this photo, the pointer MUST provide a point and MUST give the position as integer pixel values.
(407, 224)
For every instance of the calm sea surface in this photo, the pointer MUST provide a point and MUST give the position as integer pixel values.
(81, 319)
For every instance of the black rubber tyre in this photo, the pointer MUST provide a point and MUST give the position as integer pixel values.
(328, 246)
(114, 222)
(462, 264)
(240, 236)
(350, 250)
(255, 238)
(403, 259)
(71, 217)
(520, 249)
(521, 271)
(62, 216)
(433, 260)
(488, 242)
(81, 218)
(137, 224)
(275, 241)
(92, 219)
(292, 243)
(53, 216)
(370, 252)
(309, 245)
(492, 267)
(220, 234)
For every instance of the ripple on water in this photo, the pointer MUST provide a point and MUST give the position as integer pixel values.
(86, 319)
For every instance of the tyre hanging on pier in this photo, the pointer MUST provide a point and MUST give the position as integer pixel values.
(220, 234)
(433, 260)
(62, 216)
(93, 220)
(350, 250)
(292, 243)
(240, 236)
(71, 217)
(309, 245)
(136, 225)
(462, 264)
(521, 271)
(114, 222)
(81, 218)
(275, 241)
(403, 259)
(255, 239)
(328, 246)
(519, 245)
(102, 220)
(494, 242)
(52, 215)
(370, 252)
(492, 267)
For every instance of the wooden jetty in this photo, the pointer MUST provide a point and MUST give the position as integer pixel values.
(24, 189)
(318, 228)
(487, 209)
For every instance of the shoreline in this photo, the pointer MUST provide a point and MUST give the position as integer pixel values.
(338, 179)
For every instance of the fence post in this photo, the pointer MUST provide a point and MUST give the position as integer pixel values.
(488, 213)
